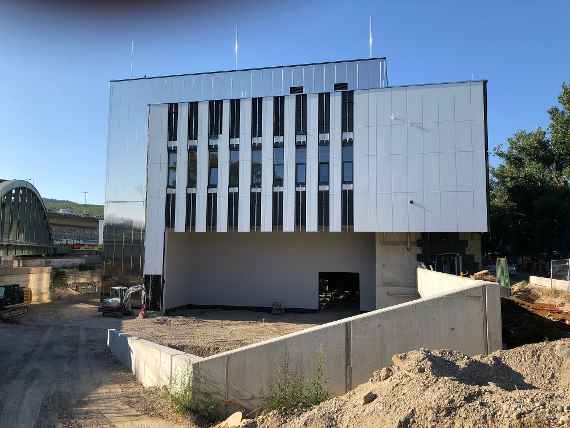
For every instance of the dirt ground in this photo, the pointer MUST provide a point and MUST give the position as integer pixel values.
(205, 332)
(527, 386)
(55, 371)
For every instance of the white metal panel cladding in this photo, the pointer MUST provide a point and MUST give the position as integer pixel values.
(419, 164)
(156, 189)
(202, 167)
(312, 162)
(289, 159)
(244, 165)
(267, 165)
(181, 168)
(223, 170)
(335, 177)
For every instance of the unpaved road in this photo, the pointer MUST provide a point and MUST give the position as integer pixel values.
(55, 371)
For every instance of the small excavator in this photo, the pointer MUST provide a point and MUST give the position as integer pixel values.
(119, 303)
(14, 301)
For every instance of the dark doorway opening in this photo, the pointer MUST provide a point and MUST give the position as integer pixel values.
(339, 289)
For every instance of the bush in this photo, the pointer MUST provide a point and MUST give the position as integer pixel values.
(290, 391)
(185, 403)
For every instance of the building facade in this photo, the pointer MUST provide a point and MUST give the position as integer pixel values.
(252, 187)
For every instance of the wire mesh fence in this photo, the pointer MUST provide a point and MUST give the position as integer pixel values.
(560, 271)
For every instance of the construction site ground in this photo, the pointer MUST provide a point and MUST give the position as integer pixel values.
(205, 332)
(55, 371)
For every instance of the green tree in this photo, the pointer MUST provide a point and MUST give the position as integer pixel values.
(530, 188)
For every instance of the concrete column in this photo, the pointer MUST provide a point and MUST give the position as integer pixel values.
(223, 169)
(267, 165)
(312, 162)
(202, 167)
(244, 165)
(181, 168)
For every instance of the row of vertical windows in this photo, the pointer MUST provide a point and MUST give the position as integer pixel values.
(215, 117)
(192, 167)
(233, 209)
(190, 212)
(324, 163)
(256, 167)
(347, 170)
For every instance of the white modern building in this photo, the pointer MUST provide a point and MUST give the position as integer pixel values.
(258, 187)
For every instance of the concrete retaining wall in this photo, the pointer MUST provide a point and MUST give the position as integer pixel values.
(152, 364)
(431, 283)
(467, 320)
(555, 284)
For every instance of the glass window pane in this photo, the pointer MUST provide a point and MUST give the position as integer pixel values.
(300, 174)
(323, 153)
(278, 174)
(172, 159)
(192, 168)
(347, 172)
(278, 155)
(300, 154)
(171, 177)
(323, 173)
(347, 153)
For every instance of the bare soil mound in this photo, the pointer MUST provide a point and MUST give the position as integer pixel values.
(525, 386)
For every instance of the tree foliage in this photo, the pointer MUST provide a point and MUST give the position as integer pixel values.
(530, 188)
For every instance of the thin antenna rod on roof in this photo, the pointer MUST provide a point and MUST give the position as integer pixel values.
(236, 47)
(370, 37)
(132, 55)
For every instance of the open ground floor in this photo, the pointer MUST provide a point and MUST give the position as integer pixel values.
(305, 271)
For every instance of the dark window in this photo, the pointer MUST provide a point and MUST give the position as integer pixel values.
(324, 113)
(172, 122)
(278, 166)
(255, 211)
(213, 168)
(215, 109)
(193, 121)
(277, 213)
(171, 168)
(234, 118)
(323, 210)
(192, 167)
(190, 212)
(233, 210)
(234, 167)
(347, 210)
(301, 114)
(347, 111)
(347, 173)
(256, 168)
(256, 117)
(170, 210)
(340, 86)
(211, 212)
(324, 155)
(278, 116)
(295, 89)
(300, 210)
(300, 165)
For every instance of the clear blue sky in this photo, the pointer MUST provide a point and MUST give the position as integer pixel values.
(56, 61)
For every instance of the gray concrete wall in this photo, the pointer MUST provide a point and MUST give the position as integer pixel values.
(468, 320)
(396, 263)
(431, 283)
(258, 269)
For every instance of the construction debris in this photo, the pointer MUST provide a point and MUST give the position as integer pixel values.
(526, 386)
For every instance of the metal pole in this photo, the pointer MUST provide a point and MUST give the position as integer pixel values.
(550, 274)
(568, 277)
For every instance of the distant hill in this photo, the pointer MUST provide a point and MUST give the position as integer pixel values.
(74, 207)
